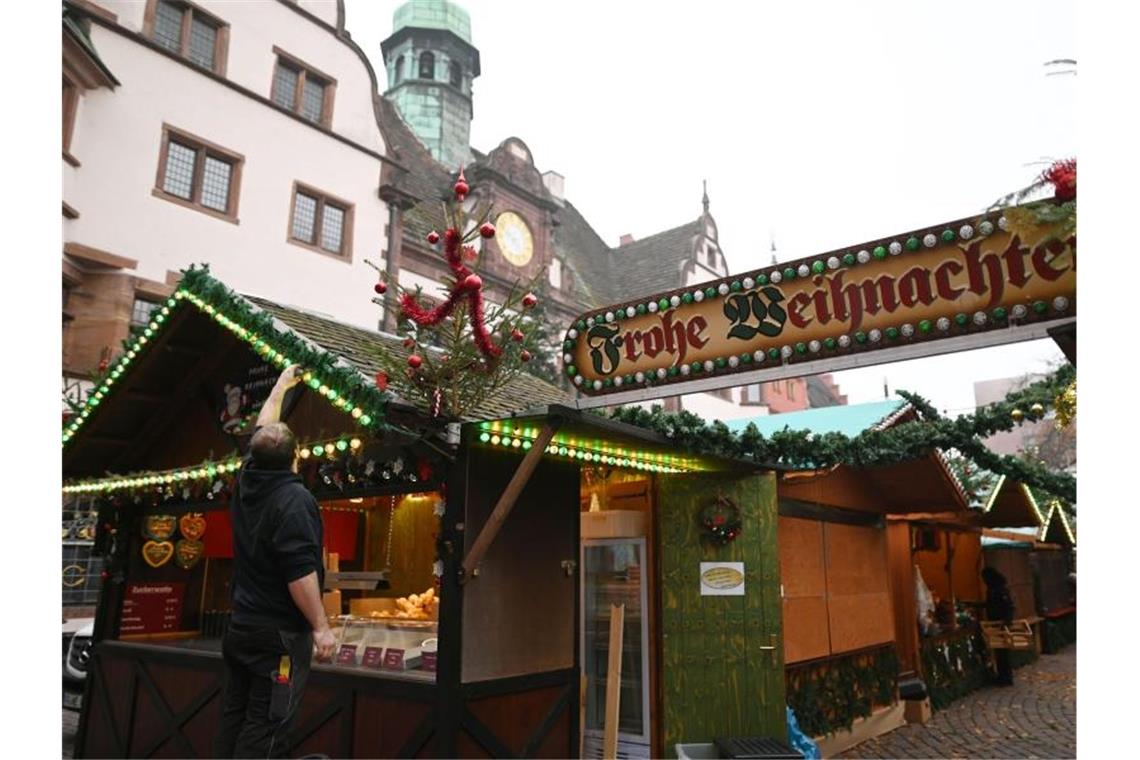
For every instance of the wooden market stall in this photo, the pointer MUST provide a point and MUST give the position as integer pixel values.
(488, 515)
(848, 599)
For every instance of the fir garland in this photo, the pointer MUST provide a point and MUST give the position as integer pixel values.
(805, 450)
(829, 695)
(954, 666)
(352, 385)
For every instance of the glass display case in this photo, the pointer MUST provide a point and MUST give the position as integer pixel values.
(613, 573)
(386, 645)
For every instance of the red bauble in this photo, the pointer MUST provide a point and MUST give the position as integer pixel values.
(529, 300)
(382, 380)
(473, 282)
(525, 356)
(450, 236)
(461, 186)
(517, 335)
(103, 365)
(415, 361)
(718, 520)
(433, 237)
(469, 254)
(105, 575)
(380, 288)
(487, 230)
(409, 343)
(1062, 175)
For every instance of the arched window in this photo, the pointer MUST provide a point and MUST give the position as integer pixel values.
(456, 74)
(427, 66)
(398, 74)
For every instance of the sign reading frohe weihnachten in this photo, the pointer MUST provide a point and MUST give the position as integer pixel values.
(994, 272)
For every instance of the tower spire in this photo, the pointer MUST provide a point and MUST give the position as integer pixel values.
(705, 196)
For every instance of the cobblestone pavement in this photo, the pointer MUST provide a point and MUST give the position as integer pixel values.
(70, 726)
(1036, 718)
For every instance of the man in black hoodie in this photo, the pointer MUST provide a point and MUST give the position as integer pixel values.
(999, 607)
(278, 575)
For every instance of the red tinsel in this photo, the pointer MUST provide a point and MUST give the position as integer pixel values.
(411, 309)
(1062, 175)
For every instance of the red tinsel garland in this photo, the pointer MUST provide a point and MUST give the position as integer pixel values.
(412, 310)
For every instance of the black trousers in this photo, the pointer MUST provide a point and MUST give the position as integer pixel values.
(1004, 671)
(257, 709)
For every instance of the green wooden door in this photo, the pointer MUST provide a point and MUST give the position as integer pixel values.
(718, 678)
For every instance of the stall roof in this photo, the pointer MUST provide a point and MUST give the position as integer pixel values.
(1010, 503)
(850, 420)
(147, 391)
(593, 435)
(924, 485)
(1056, 529)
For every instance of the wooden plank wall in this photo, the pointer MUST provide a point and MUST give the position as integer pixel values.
(806, 630)
(858, 593)
(716, 681)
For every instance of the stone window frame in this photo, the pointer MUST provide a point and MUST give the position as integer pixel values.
(202, 148)
(323, 199)
(191, 11)
(305, 72)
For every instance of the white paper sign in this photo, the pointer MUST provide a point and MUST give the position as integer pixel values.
(722, 579)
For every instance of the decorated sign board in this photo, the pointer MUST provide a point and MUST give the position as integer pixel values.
(1004, 271)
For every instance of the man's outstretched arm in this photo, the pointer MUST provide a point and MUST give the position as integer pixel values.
(271, 409)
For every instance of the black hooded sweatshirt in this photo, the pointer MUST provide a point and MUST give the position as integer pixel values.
(277, 539)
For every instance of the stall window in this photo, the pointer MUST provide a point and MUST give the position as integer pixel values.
(320, 222)
(456, 74)
(752, 394)
(302, 89)
(188, 31)
(141, 312)
(398, 74)
(792, 390)
(198, 174)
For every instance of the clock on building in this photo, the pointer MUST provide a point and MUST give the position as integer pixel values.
(514, 238)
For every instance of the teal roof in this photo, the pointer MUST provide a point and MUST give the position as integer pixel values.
(850, 420)
(433, 14)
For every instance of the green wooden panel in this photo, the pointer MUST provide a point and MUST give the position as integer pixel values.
(715, 679)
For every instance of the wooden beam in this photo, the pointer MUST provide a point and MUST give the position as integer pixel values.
(108, 440)
(507, 501)
(146, 396)
(613, 682)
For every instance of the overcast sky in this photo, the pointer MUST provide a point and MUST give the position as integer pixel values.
(821, 124)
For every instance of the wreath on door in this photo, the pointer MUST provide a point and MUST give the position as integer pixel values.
(720, 519)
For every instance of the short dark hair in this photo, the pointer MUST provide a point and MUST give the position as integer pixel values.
(273, 447)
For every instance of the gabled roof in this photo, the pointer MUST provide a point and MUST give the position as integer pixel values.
(1010, 504)
(1056, 529)
(359, 347)
(193, 333)
(652, 264)
(850, 420)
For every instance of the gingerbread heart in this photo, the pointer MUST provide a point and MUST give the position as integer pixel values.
(192, 525)
(187, 553)
(157, 553)
(159, 527)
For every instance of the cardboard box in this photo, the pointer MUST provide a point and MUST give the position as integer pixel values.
(917, 710)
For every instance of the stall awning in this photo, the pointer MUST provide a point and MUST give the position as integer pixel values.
(1010, 504)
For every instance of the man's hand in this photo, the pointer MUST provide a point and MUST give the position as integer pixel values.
(325, 643)
(289, 376)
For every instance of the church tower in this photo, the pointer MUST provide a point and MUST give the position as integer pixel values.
(431, 65)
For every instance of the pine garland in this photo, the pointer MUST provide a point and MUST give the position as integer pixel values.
(351, 384)
(872, 448)
(828, 696)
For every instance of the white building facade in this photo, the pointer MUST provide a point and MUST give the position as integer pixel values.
(242, 135)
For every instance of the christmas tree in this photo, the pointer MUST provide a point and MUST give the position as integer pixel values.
(463, 349)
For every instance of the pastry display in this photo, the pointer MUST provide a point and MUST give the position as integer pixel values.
(423, 606)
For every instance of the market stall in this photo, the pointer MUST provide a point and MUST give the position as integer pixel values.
(846, 641)
(458, 577)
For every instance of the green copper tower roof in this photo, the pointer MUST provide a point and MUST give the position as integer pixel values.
(433, 14)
